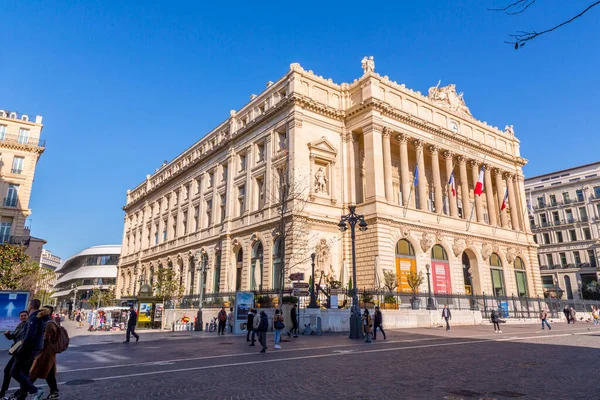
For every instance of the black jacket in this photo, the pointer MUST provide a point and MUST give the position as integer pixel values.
(449, 313)
(250, 321)
(293, 316)
(378, 318)
(132, 318)
(18, 333)
(264, 322)
(33, 340)
(495, 316)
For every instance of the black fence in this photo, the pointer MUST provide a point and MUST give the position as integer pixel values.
(518, 307)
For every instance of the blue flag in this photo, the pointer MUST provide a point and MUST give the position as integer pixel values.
(416, 180)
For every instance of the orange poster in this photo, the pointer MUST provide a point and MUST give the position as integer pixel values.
(403, 267)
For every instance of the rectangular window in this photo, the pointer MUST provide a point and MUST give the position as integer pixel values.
(497, 282)
(521, 283)
(282, 138)
(549, 260)
(583, 215)
(577, 258)
(184, 222)
(260, 185)
(546, 238)
(587, 234)
(5, 228)
(260, 153)
(23, 136)
(224, 173)
(555, 217)
(543, 220)
(569, 214)
(17, 166)
(164, 233)
(553, 199)
(563, 259)
(156, 234)
(535, 239)
(241, 199)
(197, 185)
(210, 179)
(598, 210)
(175, 233)
(541, 202)
(579, 194)
(2, 132)
(186, 192)
(12, 195)
(223, 207)
(573, 235)
(597, 192)
(242, 162)
(592, 258)
(566, 199)
(209, 212)
(559, 237)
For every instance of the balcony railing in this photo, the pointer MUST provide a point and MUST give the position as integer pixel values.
(10, 202)
(16, 240)
(22, 140)
(16, 171)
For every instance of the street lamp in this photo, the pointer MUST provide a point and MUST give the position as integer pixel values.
(202, 268)
(313, 297)
(430, 305)
(352, 219)
(74, 288)
(580, 289)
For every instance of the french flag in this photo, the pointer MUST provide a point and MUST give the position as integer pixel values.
(505, 201)
(479, 185)
(451, 183)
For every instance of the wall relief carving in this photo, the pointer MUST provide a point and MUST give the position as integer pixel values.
(486, 251)
(458, 247)
(426, 242)
(448, 97)
(511, 255)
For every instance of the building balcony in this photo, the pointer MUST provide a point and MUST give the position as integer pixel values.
(15, 240)
(22, 140)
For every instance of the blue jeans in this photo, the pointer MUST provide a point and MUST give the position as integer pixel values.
(277, 336)
(547, 324)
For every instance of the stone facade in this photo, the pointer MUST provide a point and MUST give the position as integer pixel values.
(565, 220)
(341, 144)
(20, 149)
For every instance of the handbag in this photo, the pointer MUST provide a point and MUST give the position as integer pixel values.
(15, 347)
(279, 324)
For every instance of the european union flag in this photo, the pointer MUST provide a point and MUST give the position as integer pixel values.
(416, 180)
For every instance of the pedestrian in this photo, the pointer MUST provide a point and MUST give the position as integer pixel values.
(294, 319)
(367, 325)
(131, 323)
(256, 323)
(33, 342)
(277, 327)
(595, 314)
(378, 323)
(447, 315)
(573, 313)
(263, 326)
(78, 320)
(222, 318)
(567, 314)
(16, 336)
(496, 321)
(250, 325)
(44, 365)
(230, 317)
(543, 317)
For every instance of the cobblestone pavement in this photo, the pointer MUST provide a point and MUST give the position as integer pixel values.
(466, 363)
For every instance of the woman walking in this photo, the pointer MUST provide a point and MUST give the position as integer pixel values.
(368, 325)
(496, 321)
(277, 327)
(16, 336)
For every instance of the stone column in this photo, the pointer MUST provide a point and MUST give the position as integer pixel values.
(464, 187)
(489, 195)
(449, 170)
(387, 165)
(478, 202)
(437, 179)
(351, 166)
(404, 171)
(519, 202)
(421, 183)
(373, 163)
(514, 213)
(501, 190)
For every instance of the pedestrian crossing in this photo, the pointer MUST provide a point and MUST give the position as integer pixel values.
(97, 357)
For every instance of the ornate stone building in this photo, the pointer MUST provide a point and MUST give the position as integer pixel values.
(351, 143)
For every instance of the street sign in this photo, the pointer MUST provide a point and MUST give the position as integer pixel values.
(300, 292)
(300, 285)
(298, 276)
(11, 304)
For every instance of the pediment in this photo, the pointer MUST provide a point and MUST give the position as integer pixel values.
(323, 146)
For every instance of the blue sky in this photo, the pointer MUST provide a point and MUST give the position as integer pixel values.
(123, 86)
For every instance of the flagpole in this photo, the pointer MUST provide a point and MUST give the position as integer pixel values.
(473, 204)
(411, 190)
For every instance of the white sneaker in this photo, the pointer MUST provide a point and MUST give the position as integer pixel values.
(496, 331)
(277, 346)
(499, 331)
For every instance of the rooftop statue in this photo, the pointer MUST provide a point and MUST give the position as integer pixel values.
(368, 64)
(447, 97)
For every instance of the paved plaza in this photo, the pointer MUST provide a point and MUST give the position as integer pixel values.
(465, 363)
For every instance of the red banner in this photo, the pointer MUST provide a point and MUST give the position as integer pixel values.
(441, 277)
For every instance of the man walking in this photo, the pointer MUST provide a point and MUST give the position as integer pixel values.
(16, 336)
(255, 326)
(222, 318)
(33, 342)
(378, 323)
(131, 323)
(263, 327)
(567, 314)
(44, 365)
(447, 315)
(230, 317)
(250, 326)
(294, 318)
(543, 317)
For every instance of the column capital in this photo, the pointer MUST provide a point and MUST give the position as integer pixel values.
(402, 138)
(487, 167)
(370, 127)
(448, 154)
(348, 137)
(434, 150)
(387, 132)
(508, 176)
(498, 171)
(474, 163)
(418, 144)
(461, 160)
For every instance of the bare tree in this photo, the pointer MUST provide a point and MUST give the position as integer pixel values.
(521, 37)
(390, 280)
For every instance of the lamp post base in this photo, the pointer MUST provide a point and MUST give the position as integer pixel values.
(198, 327)
(356, 326)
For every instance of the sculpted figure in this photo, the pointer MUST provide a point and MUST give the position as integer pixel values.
(320, 181)
(368, 64)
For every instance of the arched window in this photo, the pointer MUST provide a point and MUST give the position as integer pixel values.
(521, 277)
(204, 260)
(239, 264)
(217, 273)
(405, 263)
(192, 274)
(277, 263)
(497, 275)
(256, 266)
(440, 270)
(403, 247)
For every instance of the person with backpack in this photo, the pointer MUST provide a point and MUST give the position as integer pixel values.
(16, 336)
(131, 324)
(56, 340)
(222, 318)
(496, 321)
(262, 329)
(277, 327)
(367, 325)
(33, 343)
